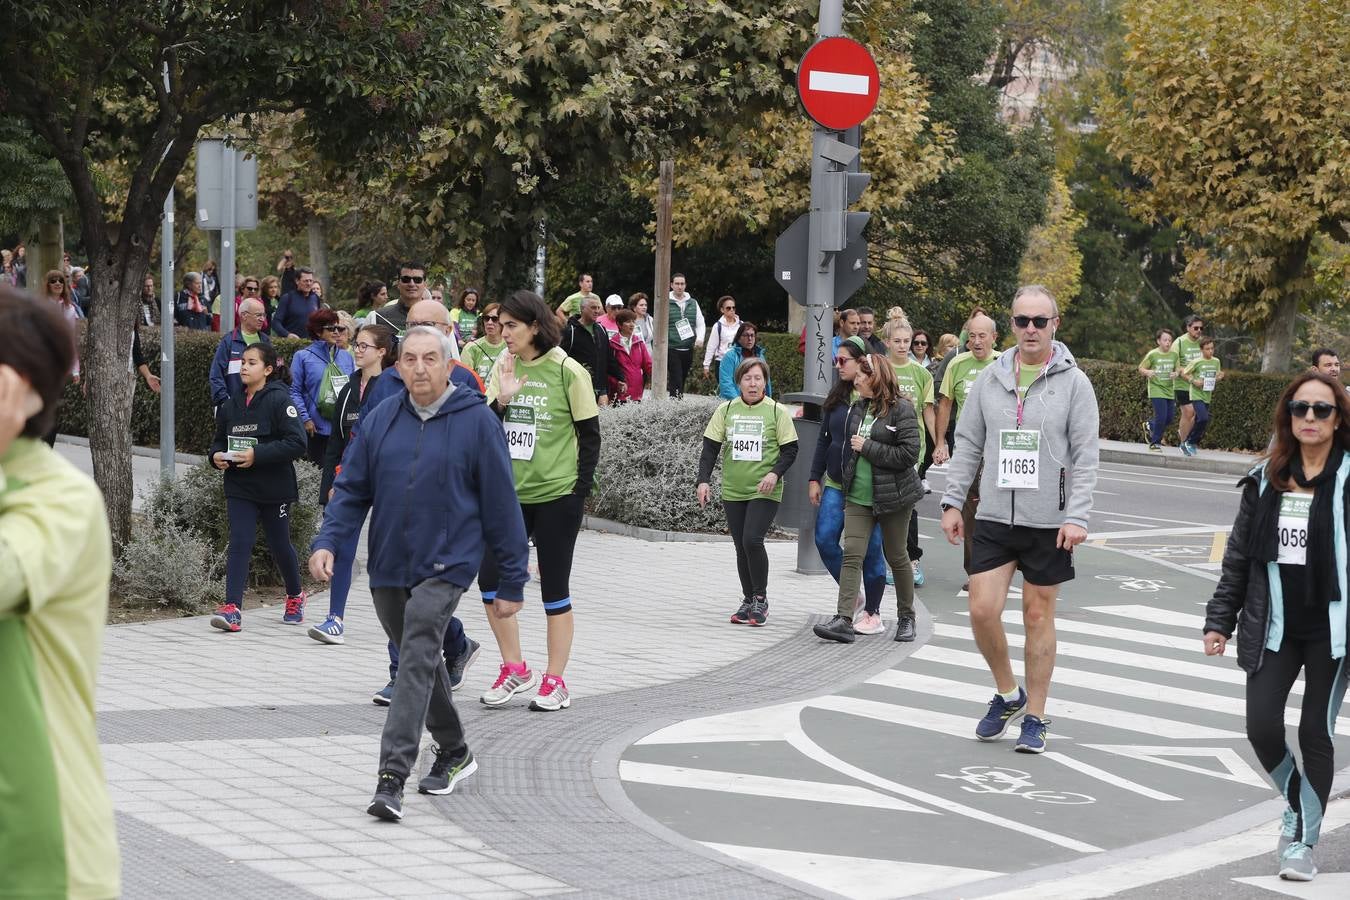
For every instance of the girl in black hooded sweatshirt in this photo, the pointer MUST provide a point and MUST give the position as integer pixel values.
(258, 438)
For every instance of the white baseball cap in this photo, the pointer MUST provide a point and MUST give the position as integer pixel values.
(613, 300)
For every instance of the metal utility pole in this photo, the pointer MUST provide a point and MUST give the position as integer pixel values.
(166, 350)
(659, 307)
(227, 248)
(541, 259)
(817, 366)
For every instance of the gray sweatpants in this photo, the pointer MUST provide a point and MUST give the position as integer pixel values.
(416, 621)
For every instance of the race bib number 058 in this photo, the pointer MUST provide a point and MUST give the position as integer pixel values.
(1019, 454)
(1293, 529)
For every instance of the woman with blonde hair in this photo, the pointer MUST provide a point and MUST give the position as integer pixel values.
(916, 385)
(271, 294)
(880, 488)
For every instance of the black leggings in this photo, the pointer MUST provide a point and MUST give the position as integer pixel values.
(315, 449)
(276, 522)
(1324, 679)
(749, 521)
(678, 364)
(915, 551)
(928, 447)
(554, 526)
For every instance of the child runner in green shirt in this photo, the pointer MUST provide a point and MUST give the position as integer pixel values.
(1160, 366)
(1203, 375)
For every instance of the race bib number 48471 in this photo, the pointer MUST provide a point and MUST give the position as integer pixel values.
(747, 440)
(1019, 454)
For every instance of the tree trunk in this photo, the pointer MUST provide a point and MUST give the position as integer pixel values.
(45, 254)
(1277, 354)
(318, 255)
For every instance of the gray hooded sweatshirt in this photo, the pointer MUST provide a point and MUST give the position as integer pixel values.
(1062, 406)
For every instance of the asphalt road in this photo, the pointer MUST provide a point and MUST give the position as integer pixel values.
(880, 790)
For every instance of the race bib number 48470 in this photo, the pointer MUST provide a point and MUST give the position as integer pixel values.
(1019, 454)
(520, 431)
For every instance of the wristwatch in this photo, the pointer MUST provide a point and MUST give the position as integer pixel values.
(947, 506)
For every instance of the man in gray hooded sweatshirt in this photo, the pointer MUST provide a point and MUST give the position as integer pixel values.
(1031, 418)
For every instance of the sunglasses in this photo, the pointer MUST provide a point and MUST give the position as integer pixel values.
(491, 319)
(1321, 409)
(412, 279)
(335, 328)
(250, 287)
(843, 360)
(1038, 321)
(919, 344)
(56, 281)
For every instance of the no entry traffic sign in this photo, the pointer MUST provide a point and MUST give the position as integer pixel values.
(838, 83)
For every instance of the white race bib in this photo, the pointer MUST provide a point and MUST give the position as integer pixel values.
(1293, 529)
(747, 440)
(339, 382)
(520, 432)
(1209, 382)
(684, 329)
(1019, 457)
(235, 365)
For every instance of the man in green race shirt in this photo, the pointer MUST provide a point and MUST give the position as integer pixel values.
(571, 306)
(1202, 374)
(1160, 367)
(1187, 348)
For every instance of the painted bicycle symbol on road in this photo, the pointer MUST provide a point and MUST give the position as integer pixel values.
(1013, 782)
(1140, 585)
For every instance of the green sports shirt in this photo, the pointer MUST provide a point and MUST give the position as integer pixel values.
(960, 377)
(750, 437)
(1165, 365)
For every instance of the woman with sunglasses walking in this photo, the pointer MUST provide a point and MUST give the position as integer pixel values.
(1284, 573)
(482, 353)
(320, 372)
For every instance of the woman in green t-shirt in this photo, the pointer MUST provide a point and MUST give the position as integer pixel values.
(881, 487)
(1160, 367)
(482, 353)
(757, 441)
(552, 424)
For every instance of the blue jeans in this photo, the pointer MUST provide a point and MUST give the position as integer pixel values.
(1201, 422)
(1163, 409)
(343, 562)
(829, 531)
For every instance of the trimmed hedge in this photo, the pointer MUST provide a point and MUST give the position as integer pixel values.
(1242, 408)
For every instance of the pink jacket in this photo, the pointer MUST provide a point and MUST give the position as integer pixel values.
(636, 364)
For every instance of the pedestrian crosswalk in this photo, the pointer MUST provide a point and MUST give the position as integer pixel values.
(1147, 739)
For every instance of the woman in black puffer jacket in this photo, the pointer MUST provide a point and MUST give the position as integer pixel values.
(1283, 590)
(880, 487)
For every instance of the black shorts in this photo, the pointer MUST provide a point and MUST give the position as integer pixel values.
(1033, 549)
(1183, 397)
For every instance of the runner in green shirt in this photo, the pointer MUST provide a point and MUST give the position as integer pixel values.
(1160, 367)
(57, 835)
(957, 381)
(757, 441)
(571, 305)
(1203, 374)
(482, 354)
(1187, 348)
(916, 386)
(552, 430)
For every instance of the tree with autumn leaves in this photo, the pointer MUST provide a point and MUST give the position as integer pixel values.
(1236, 114)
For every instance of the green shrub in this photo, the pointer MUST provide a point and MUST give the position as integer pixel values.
(1241, 413)
(649, 464)
(166, 563)
(194, 421)
(193, 506)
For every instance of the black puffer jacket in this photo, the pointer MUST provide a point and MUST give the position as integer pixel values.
(1241, 600)
(892, 449)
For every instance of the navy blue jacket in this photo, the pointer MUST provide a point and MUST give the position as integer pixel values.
(442, 491)
(230, 350)
(272, 422)
(830, 445)
(292, 316)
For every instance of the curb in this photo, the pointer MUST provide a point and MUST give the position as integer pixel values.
(608, 526)
(185, 459)
(1220, 465)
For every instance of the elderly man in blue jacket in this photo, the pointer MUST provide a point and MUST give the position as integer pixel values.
(448, 496)
(224, 375)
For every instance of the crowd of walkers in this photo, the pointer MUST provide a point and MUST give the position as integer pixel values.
(422, 414)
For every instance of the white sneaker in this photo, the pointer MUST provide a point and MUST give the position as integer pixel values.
(507, 685)
(552, 695)
(869, 624)
(926, 488)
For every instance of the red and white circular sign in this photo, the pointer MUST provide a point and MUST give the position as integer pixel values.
(838, 83)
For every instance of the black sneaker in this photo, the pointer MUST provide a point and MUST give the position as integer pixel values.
(449, 769)
(388, 801)
(759, 611)
(457, 666)
(904, 629)
(742, 614)
(837, 629)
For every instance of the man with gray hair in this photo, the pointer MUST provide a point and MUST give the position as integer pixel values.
(224, 376)
(1030, 423)
(455, 468)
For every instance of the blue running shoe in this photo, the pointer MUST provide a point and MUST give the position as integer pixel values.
(1001, 714)
(890, 576)
(1288, 831)
(1034, 734)
(385, 695)
(330, 632)
(918, 573)
(227, 618)
(295, 610)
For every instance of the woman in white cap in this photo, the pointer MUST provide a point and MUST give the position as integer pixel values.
(613, 303)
